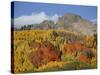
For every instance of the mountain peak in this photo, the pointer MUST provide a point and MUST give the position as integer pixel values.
(47, 21)
(70, 17)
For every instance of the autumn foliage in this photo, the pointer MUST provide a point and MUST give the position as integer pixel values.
(46, 50)
(44, 54)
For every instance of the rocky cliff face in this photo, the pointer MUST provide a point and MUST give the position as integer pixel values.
(76, 23)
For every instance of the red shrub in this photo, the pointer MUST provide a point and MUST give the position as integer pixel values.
(84, 59)
(44, 54)
(74, 47)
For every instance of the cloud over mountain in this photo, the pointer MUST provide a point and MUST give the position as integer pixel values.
(94, 21)
(35, 18)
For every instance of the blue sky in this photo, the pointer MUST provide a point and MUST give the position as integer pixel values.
(28, 8)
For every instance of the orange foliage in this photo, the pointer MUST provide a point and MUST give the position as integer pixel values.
(84, 59)
(36, 58)
(74, 47)
(51, 55)
(44, 54)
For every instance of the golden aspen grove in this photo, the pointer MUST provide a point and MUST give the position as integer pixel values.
(81, 56)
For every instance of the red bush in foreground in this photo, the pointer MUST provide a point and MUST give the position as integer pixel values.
(44, 54)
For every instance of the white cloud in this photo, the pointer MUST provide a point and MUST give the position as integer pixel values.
(35, 18)
(54, 18)
(94, 21)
